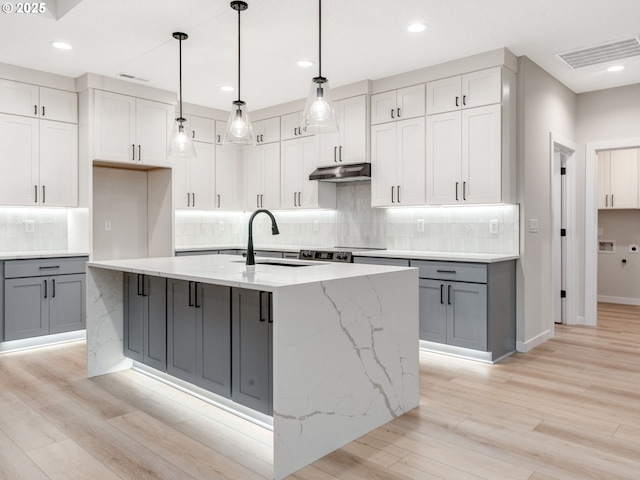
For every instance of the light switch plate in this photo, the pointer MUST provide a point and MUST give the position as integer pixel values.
(493, 226)
(533, 225)
(316, 225)
(29, 226)
(421, 225)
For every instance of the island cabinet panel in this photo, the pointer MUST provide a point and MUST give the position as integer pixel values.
(145, 324)
(252, 333)
(43, 296)
(199, 334)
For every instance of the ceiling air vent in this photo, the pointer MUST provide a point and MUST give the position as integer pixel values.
(605, 52)
(132, 77)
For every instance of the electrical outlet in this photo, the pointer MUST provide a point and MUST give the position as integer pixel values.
(316, 225)
(493, 226)
(533, 225)
(107, 225)
(421, 225)
(220, 226)
(29, 226)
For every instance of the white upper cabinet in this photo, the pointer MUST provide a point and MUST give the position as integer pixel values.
(193, 179)
(202, 129)
(32, 101)
(267, 131)
(262, 172)
(292, 126)
(398, 104)
(131, 130)
(470, 90)
(228, 173)
(464, 157)
(398, 163)
(618, 179)
(42, 157)
(349, 143)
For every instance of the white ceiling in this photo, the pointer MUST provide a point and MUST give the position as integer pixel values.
(362, 39)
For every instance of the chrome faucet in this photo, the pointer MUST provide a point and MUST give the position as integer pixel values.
(251, 259)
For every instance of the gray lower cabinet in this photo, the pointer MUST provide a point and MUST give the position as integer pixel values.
(43, 296)
(252, 333)
(468, 305)
(145, 319)
(199, 334)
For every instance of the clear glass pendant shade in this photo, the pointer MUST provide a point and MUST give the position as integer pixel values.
(180, 144)
(239, 128)
(319, 115)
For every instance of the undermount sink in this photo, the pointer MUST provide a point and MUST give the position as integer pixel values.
(278, 264)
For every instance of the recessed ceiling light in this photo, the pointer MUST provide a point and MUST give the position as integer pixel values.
(305, 63)
(417, 27)
(62, 45)
(615, 68)
(227, 88)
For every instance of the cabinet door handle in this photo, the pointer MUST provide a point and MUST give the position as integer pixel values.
(258, 200)
(45, 289)
(299, 199)
(139, 153)
(139, 284)
(195, 290)
(398, 112)
(193, 199)
(35, 109)
(457, 184)
(464, 191)
(606, 200)
(295, 200)
(47, 267)
(393, 113)
(393, 194)
(188, 200)
(449, 294)
(398, 193)
(35, 190)
(612, 203)
(261, 200)
(44, 198)
(340, 154)
(133, 153)
(335, 154)
(191, 303)
(264, 306)
(53, 286)
(218, 138)
(457, 101)
(218, 200)
(43, 111)
(441, 293)
(446, 271)
(262, 138)
(464, 99)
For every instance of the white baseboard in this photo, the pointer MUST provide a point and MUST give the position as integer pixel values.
(620, 300)
(524, 347)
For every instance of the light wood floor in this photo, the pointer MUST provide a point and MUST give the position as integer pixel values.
(570, 409)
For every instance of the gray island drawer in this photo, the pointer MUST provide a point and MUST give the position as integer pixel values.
(44, 266)
(453, 271)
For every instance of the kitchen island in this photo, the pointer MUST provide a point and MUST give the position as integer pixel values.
(344, 348)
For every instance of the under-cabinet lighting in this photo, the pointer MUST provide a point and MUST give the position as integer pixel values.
(615, 68)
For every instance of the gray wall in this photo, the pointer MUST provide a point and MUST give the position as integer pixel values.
(544, 106)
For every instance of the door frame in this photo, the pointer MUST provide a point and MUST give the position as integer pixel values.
(567, 148)
(591, 222)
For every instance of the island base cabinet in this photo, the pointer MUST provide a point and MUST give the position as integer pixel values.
(199, 334)
(145, 324)
(252, 334)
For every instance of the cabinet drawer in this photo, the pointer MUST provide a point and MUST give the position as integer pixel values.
(44, 267)
(461, 272)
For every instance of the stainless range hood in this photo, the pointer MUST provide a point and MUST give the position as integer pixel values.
(342, 173)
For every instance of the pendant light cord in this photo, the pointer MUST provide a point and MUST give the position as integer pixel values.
(180, 60)
(239, 96)
(319, 38)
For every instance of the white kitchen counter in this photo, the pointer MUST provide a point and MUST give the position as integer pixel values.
(52, 254)
(345, 342)
(408, 254)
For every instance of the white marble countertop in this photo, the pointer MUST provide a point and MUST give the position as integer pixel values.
(409, 254)
(230, 270)
(52, 254)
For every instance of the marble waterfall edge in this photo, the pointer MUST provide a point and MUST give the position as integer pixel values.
(345, 362)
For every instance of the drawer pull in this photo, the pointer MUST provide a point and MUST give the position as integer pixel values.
(446, 271)
(48, 267)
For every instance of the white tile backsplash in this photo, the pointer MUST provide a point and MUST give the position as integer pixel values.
(49, 229)
(354, 223)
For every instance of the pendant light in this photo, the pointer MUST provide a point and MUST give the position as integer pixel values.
(239, 128)
(180, 144)
(319, 115)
